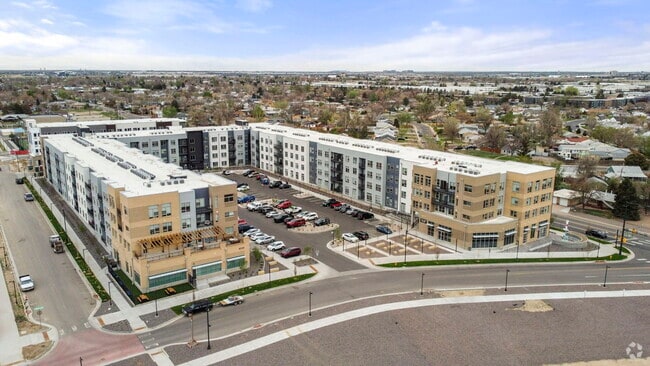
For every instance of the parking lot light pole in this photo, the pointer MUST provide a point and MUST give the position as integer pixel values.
(506, 287)
(422, 284)
(344, 244)
(605, 281)
(155, 301)
(310, 293)
(357, 250)
(110, 298)
(83, 253)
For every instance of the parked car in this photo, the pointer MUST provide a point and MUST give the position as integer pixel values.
(321, 221)
(244, 228)
(276, 245)
(246, 199)
(226, 172)
(248, 172)
(328, 202)
(272, 213)
(265, 240)
(265, 209)
(280, 217)
(232, 300)
(289, 218)
(241, 221)
(260, 176)
(243, 188)
(26, 283)
(363, 215)
(253, 205)
(296, 223)
(350, 237)
(336, 205)
(284, 205)
(197, 307)
(28, 197)
(256, 236)
(384, 229)
(600, 234)
(293, 210)
(290, 252)
(265, 180)
(275, 184)
(310, 216)
(362, 235)
(284, 185)
(251, 231)
(352, 212)
(344, 207)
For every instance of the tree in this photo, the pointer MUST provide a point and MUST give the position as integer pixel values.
(585, 170)
(405, 101)
(402, 119)
(571, 91)
(637, 159)
(451, 127)
(600, 94)
(258, 112)
(169, 111)
(325, 116)
(424, 108)
(484, 118)
(495, 138)
(522, 139)
(626, 204)
(550, 124)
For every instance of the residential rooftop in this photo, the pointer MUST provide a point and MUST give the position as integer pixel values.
(443, 161)
(139, 173)
(108, 122)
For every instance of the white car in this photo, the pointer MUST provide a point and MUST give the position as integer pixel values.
(293, 210)
(254, 237)
(272, 213)
(276, 245)
(350, 237)
(252, 232)
(302, 214)
(26, 283)
(243, 188)
(310, 216)
(253, 205)
(265, 240)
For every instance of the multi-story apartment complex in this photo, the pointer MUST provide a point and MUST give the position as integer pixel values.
(459, 199)
(163, 225)
(36, 130)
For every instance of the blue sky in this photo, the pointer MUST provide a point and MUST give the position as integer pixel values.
(310, 35)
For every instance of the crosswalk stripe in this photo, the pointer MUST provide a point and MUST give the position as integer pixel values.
(74, 328)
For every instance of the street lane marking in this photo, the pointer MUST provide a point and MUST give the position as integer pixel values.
(74, 328)
(641, 259)
(87, 325)
(636, 275)
(591, 276)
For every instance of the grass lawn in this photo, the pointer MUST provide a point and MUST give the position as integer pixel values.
(614, 257)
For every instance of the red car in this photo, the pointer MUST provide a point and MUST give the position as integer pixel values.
(241, 222)
(283, 205)
(336, 204)
(296, 223)
(290, 252)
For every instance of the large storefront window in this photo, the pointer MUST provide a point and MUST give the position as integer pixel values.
(444, 233)
(235, 262)
(208, 268)
(543, 228)
(509, 237)
(167, 278)
(431, 228)
(484, 240)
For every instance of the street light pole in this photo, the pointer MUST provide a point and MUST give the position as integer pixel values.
(310, 293)
(357, 250)
(620, 248)
(110, 297)
(207, 319)
(83, 253)
(422, 284)
(506, 287)
(605, 281)
(155, 301)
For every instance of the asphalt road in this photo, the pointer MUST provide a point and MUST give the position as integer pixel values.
(66, 300)
(289, 301)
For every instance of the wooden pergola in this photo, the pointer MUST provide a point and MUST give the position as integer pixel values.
(212, 233)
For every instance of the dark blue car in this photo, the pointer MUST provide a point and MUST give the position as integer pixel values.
(384, 229)
(246, 199)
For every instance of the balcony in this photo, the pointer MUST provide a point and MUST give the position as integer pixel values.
(152, 257)
(203, 209)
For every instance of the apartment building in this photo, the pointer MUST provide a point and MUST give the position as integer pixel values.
(35, 130)
(163, 225)
(462, 200)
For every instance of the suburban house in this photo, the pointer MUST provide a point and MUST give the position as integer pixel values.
(634, 173)
(571, 151)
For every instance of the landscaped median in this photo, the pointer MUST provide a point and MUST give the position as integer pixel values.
(252, 289)
(613, 257)
(83, 266)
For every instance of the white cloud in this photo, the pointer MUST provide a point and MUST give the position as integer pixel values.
(254, 5)
(434, 26)
(44, 4)
(160, 12)
(21, 5)
(47, 21)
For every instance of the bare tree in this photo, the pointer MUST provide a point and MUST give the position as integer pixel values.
(451, 128)
(550, 124)
(522, 139)
(484, 118)
(495, 138)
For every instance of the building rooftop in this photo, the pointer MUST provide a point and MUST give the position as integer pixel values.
(441, 160)
(139, 173)
(108, 122)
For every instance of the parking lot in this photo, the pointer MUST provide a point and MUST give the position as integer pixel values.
(317, 241)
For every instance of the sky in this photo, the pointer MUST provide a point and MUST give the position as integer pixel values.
(326, 35)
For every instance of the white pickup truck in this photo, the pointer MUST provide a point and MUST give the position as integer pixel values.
(26, 283)
(232, 300)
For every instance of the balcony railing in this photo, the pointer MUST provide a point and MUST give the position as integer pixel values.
(151, 257)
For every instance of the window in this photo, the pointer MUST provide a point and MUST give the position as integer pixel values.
(514, 201)
(516, 186)
(154, 229)
(167, 227)
(235, 262)
(377, 187)
(185, 207)
(153, 211)
(484, 240)
(378, 166)
(186, 223)
(167, 278)
(444, 233)
(427, 181)
(467, 203)
(468, 188)
(166, 209)
(208, 268)
(229, 198)
(230, 213)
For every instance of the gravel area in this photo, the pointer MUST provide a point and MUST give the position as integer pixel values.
(139, 360)
(277, 353)
(106, 308)
(121, 326)
(153, 321)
